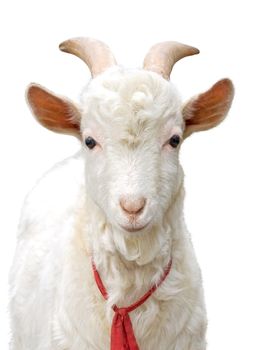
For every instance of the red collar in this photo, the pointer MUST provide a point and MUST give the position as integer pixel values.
(122, 336)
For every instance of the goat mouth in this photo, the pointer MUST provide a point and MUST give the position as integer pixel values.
(133, 228)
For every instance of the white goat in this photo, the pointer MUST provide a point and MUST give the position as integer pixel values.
(117, 208)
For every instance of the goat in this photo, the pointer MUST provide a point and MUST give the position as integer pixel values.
(109, 220)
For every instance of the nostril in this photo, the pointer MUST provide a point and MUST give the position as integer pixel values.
(132, 206)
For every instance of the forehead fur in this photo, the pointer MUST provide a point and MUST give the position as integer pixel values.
(130, 102)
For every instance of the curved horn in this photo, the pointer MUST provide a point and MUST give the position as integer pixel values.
(94, 53)
(162, 57)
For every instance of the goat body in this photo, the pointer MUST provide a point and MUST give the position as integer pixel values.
(86, 207)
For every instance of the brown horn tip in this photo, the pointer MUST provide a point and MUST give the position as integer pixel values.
(64, 46)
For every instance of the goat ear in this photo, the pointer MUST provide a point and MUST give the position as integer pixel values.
(55, 113)
(208, 109)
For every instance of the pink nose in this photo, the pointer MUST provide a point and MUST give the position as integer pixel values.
(132, 206)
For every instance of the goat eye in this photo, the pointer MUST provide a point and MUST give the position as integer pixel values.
(90, 142)
(174, 141)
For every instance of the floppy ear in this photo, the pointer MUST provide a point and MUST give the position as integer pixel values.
(208, 109)
(55, 113)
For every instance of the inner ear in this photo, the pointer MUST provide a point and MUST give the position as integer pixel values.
(208, 109)
(53, 112)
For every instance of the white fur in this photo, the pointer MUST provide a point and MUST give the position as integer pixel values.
(73, 213)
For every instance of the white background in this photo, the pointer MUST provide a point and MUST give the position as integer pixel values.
(223, 166)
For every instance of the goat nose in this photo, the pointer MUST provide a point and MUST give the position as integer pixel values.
(132, 206)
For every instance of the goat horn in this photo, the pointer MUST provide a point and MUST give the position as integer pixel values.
(94, 53)
(162, 57)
